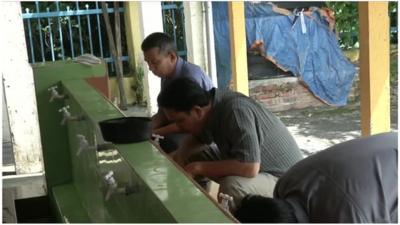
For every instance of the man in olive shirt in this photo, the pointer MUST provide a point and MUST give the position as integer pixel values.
(352, 182)
(254, 146)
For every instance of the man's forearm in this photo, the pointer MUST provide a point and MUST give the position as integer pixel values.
(188, 147)
(158, 120)
(217, 169)
(169, 129)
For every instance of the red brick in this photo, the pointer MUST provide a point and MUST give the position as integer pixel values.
(270, 87)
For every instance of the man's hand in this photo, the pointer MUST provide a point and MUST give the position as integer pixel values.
(194, 168)
(179, 157)
(158, 120)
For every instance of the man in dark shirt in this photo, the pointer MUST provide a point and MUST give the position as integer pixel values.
(254, 146)
(352, 182)
(160, 54)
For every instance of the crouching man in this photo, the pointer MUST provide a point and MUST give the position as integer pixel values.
(352, 182)
(253, 147)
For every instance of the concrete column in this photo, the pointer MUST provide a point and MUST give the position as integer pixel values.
(200, 37)
(19, 91)
(142, 19)
(374, 67)
(195, 34)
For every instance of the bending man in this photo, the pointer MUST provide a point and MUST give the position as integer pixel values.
(352, 182)
(254, 147)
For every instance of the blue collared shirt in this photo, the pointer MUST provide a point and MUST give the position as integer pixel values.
(190, 71)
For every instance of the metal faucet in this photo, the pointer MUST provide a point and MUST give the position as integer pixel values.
(54, 93)
(225, 199)
(157, 138)
(83, 144)
(112, 186)
(67, 115)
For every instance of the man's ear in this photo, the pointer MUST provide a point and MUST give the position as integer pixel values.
(198, 112)
(172, 56)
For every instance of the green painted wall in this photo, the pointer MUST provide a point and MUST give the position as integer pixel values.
(164, 193)
(54, 136)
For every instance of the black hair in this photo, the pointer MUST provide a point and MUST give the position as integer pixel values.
(182, 94)
(260, 209)
(159, 40)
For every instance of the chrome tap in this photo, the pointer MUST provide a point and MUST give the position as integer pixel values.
(54, 93)
(67, 115)
(225, 199)
(157, 138)
(83, 144)
(112, 186)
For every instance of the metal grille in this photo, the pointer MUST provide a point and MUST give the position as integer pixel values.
(174, 24)
(65, 30)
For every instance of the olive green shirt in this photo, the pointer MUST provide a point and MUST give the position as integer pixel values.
(246, 131)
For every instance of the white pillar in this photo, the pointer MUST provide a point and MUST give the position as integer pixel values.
(195, 34)
(150, 14)
(19, 91)
(200, 37)
(211, 61)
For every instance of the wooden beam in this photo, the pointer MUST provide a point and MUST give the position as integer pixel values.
(133, 37)
(238, 47)
(374, 67)
(141, 19)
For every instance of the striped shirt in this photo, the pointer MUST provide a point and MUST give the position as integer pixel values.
(246, 131)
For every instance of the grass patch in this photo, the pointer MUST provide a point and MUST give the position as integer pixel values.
(393, 64)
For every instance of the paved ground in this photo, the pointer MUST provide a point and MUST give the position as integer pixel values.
(317, 128)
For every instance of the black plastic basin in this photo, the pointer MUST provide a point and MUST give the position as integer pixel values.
(126, 129)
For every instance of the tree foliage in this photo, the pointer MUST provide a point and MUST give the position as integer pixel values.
(347, 25)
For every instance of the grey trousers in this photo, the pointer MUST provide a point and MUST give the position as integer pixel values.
(236, 186)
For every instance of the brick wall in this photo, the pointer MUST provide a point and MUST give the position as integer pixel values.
(281, 94)
(286, 93)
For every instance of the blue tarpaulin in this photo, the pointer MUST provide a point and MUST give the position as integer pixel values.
(310, 52)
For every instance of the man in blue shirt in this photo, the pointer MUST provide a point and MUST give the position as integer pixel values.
(161, 56)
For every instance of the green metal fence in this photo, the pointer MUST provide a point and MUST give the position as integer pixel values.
(65, 30)
(174, 24)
